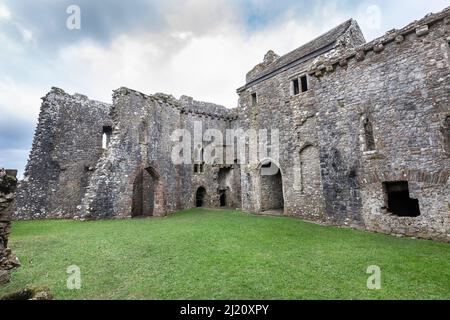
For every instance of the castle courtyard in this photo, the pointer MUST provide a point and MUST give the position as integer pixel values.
(224, 254)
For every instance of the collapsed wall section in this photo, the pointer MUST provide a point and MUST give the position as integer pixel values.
(66, 147)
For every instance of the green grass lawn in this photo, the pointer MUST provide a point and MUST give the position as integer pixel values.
(204, 254)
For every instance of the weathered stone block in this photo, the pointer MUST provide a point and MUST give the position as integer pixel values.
(422, 31)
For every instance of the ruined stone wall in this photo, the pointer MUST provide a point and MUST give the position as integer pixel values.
(8, 261)
(400, 83)
(141, 140)
(373, 113)
(141, 130)
(66, 148)
(71, 175)
(295, 118)
(209, 116)
(397, 83)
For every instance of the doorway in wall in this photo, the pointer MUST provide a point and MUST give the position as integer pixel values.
(223, 198)
(200, 197)
(144, 186)
(271, 188)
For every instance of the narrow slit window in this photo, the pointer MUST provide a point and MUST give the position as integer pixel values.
(254, 99)
(295, 87)
(202, 163)
(199, 165)
(368, 134)
(106, 137)
(304, 83)
(446, 135)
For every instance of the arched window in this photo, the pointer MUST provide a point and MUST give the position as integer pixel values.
(368, 134)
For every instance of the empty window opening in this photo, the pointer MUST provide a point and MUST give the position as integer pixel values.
(202, 161)
(106, 137)
(200, 196)
(398, 201)
(304, 83)
(368, 134)
(295, 87)
(254, 99)
(199, 167)
(446, 135)
(302, 176)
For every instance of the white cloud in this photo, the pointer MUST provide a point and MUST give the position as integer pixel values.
(194, 56)
(373, 17)
(20, 100)
(4, 12)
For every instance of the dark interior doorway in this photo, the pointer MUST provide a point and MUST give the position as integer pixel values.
(143, 202)
(200, 197)
(399, 202)
(223, 199)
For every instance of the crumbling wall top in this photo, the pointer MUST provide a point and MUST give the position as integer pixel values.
(420, 28)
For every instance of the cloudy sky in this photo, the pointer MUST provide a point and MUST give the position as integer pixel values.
(200, 48)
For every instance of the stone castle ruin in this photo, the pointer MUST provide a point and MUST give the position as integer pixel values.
(364, 141)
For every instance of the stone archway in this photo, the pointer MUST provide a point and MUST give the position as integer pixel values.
(147, 198)
(200, 197)
(272, 198)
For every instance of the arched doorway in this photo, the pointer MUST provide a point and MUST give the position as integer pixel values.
(200, 197)
(271, 187)
(144, 187)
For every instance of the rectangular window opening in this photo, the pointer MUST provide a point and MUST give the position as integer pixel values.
(446, 135)
(254, 99)
(398, 201)
(106, 137)
(304, 82)
(296, 87)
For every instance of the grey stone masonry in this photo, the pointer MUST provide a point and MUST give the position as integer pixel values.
(364, 140)
(71, 174)
(8, 183)
(373, 115)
